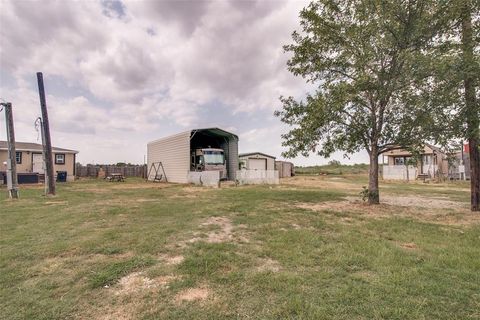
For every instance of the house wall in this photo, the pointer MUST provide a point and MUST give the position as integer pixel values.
(26, 165)
(174, 153)
(392, 171)
(69, 166)
(402, 152)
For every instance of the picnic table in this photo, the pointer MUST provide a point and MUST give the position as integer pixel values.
(115, 177)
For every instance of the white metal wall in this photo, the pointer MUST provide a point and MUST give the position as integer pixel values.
(174, 153)
(257, 164)
(257, 177)
(284, 168)
(231, 152)
(270, 161)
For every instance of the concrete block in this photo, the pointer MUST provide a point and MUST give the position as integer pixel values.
(245, 176)
(205, 178)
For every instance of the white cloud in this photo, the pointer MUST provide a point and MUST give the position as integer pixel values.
(138, 70)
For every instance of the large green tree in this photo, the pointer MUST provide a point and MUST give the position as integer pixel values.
(454, 86)
(366, 61)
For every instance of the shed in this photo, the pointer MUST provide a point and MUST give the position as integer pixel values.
(175, 152)
(285, 169)
(257, 161)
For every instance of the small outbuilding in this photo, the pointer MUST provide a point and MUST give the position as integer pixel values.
(285, 169)
(202, 156)
(257, 168)
(257, 161)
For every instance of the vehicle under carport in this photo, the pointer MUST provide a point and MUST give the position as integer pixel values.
(177, 156)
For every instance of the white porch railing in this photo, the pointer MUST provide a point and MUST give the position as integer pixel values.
(399, 172)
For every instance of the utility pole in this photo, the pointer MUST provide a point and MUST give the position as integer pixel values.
(39, 124)
(12, 182)
(47, 145)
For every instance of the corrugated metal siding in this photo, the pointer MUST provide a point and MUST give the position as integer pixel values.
(285, 169)
(270, 161)
(232, 158)
(174, 153)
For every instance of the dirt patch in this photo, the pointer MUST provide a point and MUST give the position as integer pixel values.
(222, 234)
(187, 195)
(191, 189)
(192, 294)
(134, 282)
(294, 226)
(144, 185)
(268, 265)
(56, 203)
(123, 312)
(94, 190)
(408, 245)
(223, 231)
(425, 209)
(323, 182)
(137, 282)
(422, 202)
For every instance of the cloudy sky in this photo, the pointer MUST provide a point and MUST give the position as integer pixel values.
(121, 73)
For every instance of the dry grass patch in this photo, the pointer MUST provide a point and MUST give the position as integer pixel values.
(59, 263)
(137, 282)
(95, 190)
(197, 189)
(335, 183)
(424, 209)
(223, 234)
(56, 202)
(187, 196)
(193, 294)
(408, 245)
(422, 202)
(268, 265)
(172, 260)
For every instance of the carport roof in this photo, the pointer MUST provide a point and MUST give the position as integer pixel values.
(215, 131)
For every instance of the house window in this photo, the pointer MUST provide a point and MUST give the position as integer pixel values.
(426, 159)
(18, 157)
(399, 161)
(59, 158)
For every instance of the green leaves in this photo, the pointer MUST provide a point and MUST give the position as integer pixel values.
(366, 58)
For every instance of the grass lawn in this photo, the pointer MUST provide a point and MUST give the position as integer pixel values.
(305, 249)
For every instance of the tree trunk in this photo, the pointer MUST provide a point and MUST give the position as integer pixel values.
(471, 109)
(474, 174)
(373, 194)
